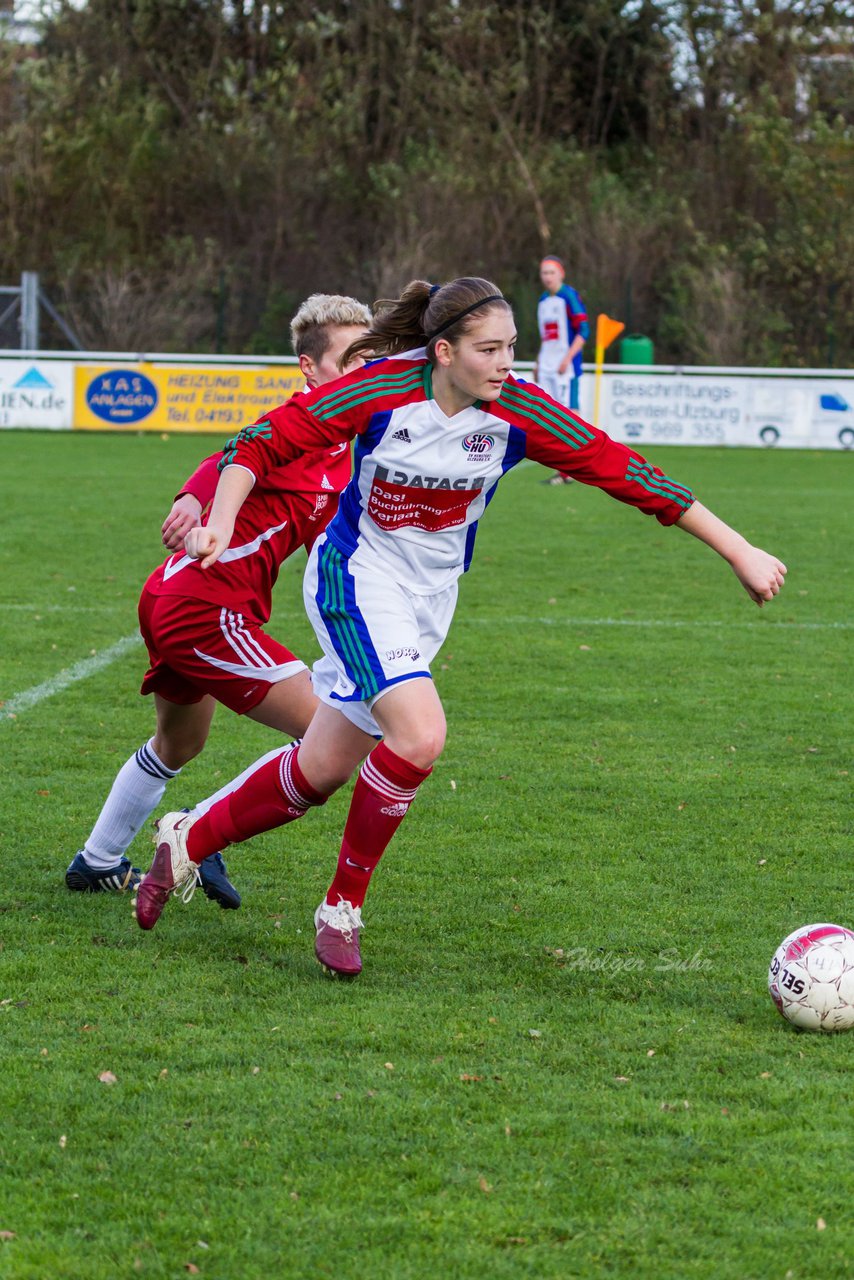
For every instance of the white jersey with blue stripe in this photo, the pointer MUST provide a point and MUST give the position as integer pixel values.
(561, 316)
(422, 480)
(420, 484)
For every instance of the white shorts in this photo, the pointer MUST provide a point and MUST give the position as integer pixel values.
(562, 387)
(373, 632)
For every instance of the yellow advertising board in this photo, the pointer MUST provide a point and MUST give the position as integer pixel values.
(157, 397)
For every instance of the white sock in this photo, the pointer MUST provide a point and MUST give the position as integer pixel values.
(202, 807)
(135, 794)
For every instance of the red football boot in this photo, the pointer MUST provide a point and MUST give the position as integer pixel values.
(170, 872)
(337, 943)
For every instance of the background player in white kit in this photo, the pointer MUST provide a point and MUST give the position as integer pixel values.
(206, 636)
(436, 428)
(563, 328)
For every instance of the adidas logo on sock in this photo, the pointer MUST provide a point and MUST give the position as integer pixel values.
(403, 435)
(395, 810)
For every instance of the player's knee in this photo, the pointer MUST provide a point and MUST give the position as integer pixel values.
(179, 749)
(422, 746)
(433, 746)
(336, 775)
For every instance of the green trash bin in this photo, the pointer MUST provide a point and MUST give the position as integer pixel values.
(636, 349)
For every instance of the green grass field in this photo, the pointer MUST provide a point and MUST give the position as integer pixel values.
(561, 1059)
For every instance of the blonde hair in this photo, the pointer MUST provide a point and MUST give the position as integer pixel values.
(422, 312)
(320, 312)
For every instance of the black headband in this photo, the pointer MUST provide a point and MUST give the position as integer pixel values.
(493, 297)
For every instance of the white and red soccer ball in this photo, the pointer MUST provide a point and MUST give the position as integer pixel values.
(811, 978)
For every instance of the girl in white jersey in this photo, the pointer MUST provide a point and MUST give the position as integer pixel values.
(436, 425)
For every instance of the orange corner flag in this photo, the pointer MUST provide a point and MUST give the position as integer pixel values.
(607, 330)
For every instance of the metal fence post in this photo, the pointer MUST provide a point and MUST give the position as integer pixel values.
(29, 311)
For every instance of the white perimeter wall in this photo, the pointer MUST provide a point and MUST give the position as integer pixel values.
(641, 405)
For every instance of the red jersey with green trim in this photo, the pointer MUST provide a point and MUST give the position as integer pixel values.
(422, 480)
(289, 508)
(324, 471)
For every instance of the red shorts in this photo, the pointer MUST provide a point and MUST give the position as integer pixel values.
(196, 648)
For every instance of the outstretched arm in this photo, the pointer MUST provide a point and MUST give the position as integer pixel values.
(208, 543)
(762, 575)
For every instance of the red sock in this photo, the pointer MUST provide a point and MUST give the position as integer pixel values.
(384, 790)
(275, 793)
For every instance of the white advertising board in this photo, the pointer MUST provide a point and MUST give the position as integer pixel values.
(771, 411)
(640, 405)
(36, 393)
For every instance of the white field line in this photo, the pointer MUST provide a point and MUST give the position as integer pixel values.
(64, 608)
(63, 679)
(675, 623)
(545, 622)
(91, 666)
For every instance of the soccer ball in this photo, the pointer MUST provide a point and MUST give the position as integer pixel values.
(811, 978)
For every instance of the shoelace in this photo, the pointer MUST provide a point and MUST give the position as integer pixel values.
(187, 887)
(345, 919)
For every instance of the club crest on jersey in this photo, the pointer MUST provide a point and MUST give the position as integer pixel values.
(478, 445)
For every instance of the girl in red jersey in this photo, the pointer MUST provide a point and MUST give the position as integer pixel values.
(205, 631)
(437, 426)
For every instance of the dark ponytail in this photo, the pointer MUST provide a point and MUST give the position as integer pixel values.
(422, 313)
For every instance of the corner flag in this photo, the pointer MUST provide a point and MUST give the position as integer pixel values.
(606, 331)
